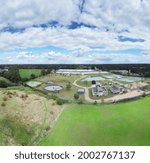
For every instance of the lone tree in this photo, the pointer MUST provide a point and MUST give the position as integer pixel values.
(68, 86)
(32, 76)
(43, 72)
(76, 96)
(95, 102)
(93, 82)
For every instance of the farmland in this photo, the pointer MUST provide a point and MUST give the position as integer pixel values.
(115, 124)
(26, 73)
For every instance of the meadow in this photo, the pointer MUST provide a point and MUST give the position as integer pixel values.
(123, 124)
(26, 73)
(25, 117)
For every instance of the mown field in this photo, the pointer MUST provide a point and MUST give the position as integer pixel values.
(115, 124)
(26, 73)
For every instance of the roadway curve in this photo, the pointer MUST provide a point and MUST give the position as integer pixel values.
(86, 94)
(128, 95)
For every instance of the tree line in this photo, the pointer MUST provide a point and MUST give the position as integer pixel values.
(141, 69)
(14, 77)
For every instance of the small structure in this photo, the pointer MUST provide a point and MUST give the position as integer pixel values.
(116, 88)
(50, 83)
(93, 78)
(98, 90)
(77, 71)
(106, 82)
(81, 91)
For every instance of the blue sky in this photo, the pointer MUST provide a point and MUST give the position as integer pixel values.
(74, 31)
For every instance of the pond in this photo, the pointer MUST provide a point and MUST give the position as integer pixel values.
(123, 78)
(96, 78)
(33, 83)
(112, 76)
(130, 79)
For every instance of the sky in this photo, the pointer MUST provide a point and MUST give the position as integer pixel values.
(74, 31)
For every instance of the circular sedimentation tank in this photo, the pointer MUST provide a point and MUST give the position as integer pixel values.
(53, 88)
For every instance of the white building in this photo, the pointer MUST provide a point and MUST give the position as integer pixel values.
(77, 71)
(98, 90)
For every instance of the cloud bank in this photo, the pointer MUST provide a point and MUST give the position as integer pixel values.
(74, 31)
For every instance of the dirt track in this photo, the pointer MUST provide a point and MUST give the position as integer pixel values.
(86, 94)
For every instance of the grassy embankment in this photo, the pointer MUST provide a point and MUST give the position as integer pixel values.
(25, 117)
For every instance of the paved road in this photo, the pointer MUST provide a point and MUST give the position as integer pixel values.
(86, 94)
(129, 95)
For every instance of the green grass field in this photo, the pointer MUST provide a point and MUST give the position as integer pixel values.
(26, 73)
(115, 124)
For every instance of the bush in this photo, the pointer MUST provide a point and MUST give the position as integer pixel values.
(22, 96)
(24, 79)
(48, 128)
(32, 76)
(76, 96)
(93, 82)
(3, 84)
(59, 101)
(51, 112)
(43, 72)
(95, 102)
(80, 101)
(144, 94)
(5, 98)
(3, 104)
(68, 86)
(54, 97)
(9, 93)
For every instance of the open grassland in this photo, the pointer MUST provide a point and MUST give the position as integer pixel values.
(115, 124)
(61, 80)
(26, 73)
(24, 117)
